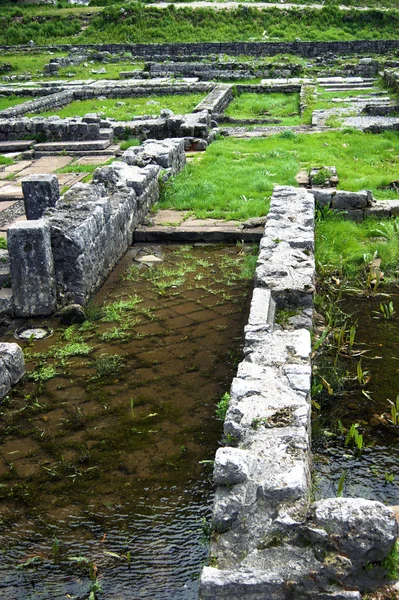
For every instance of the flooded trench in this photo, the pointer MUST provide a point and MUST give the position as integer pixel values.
(107, 443)
(361, 398)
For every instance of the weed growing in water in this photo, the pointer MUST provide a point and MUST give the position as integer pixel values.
(354, 438)
(42, 374)
(108, 364)
(222, 406)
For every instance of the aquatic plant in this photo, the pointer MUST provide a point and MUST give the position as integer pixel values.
(107, 364)
(395, 411)
(43, 373)
(386, 311)
(354, 438)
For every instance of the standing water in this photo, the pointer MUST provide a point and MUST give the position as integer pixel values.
(107, 444)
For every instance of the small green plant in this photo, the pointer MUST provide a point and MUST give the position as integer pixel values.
(321, 177)
(389, 477)
(363, 377)
(387, 311)
(391, 563)
(108, 364)
(3, 243)
(395, 411)
(354, 438)
(43, 373)
(222, 406)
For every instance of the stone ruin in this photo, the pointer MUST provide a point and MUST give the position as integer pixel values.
(270, 540)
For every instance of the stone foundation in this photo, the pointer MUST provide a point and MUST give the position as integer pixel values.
(269, 540)
(91, 228)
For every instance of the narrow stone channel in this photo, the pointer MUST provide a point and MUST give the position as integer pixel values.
(103, 482)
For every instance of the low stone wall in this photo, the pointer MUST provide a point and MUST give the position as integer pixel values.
(355, 206)
(391, 79)
(12, 366)
(51, 99)
(51, 129)
(172, 50)
(269, 540)
(217, 100)
(89, 127)
(222, 70)
(77, 243)
(48, 102)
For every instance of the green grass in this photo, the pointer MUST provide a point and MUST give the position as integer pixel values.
(274, 105)
(345, 249)
(139, 24)
(85, 72)
(8, 101)
(4, 160)
(29, 62)
(149, 105)
(235, 178)
(146, 24)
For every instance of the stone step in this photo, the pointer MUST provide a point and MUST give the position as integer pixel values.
(16, 146)
(183, 234)
(108, 152)
(107, 134)
(89, 145)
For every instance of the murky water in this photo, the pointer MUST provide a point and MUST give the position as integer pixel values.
(102, 482)
(372, 472)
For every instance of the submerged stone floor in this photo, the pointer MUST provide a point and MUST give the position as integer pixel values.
(111, 463)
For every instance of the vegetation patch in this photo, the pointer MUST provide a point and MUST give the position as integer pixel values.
(125, 109)
(235, 178)
(250, 105)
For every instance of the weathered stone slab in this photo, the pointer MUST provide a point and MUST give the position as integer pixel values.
(40, 192)
(342, 200)
(32, 268)
(168, 154)
(12, 366)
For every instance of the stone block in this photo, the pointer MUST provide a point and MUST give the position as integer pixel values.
(12, 366)
(363, 530)
(6, 303)
(231, 466)
(393, 207)
(262, 309)
(380, 210)
(322, 196)
(40, 192)
(32, 269)
(348, 200)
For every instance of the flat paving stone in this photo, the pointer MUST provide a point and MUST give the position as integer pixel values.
(16, 167)
(70, 179)
(8, 225)
(11, 192)
(47, 164)
(6, 204)
(91, 160)
(166, 217)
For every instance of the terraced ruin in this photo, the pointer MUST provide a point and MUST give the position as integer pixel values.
(199, 245)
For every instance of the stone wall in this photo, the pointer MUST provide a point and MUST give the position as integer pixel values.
(391, 79)
(269, 540)
(163, 51)
(355, 206)
(92, 226)
(221, 70)
(49, 129)
(48, 102)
